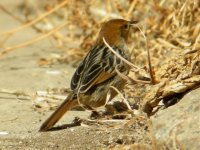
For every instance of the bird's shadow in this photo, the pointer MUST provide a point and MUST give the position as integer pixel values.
(76, 122)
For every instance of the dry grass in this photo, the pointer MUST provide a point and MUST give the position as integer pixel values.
(170, 26)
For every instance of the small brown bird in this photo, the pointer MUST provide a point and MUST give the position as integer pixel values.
(92, 79)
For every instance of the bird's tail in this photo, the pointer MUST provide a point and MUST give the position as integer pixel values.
(68, 104)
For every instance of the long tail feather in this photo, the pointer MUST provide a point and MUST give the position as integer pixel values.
(68, 104)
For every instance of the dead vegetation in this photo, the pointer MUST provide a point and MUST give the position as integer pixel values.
(172, 29)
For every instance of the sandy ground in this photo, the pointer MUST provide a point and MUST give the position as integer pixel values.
(19, 122)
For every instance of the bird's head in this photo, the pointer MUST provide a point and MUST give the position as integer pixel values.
(115, 31)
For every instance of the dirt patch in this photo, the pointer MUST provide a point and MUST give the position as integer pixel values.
(79, 138)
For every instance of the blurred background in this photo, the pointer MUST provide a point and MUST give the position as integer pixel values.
(170, 26)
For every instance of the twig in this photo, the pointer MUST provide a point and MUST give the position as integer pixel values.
(38, 38)
(130, 10)
(121, 75)
(113, 122)
(125, 100)
(17, 93)
(127, 78)
(196, 42)
(15, 118)
(52, 97)
(149, 57)
(37, 19)
(127, 62)
(120, 57)
(103, 121)
(10, 13)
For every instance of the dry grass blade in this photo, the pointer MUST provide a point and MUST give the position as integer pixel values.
(17, 93)
(37, 19)
(127, 62)
(197, 41)
(148, 57)
(10, 13)
(130, 80)
(130, 10)
(121, 75)
(6, 50)
(124, 99)
(123, 59)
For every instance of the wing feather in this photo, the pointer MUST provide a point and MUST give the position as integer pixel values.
(97, 67)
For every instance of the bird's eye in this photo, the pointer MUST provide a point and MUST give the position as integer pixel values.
(126, 26)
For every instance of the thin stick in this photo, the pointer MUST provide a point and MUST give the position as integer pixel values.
(125, 100)
(33, 40)
(130, 10)
(10, 13)
(196, 42)
(17, 93)
(37, 19)
(53, 97)
(148, 56)
(120, 57)
(127, 78)
(111, 120)
(127, 62)
(121, 75)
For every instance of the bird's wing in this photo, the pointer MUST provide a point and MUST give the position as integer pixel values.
(97, 67)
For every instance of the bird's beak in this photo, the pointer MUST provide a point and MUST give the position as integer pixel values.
(133, 22)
